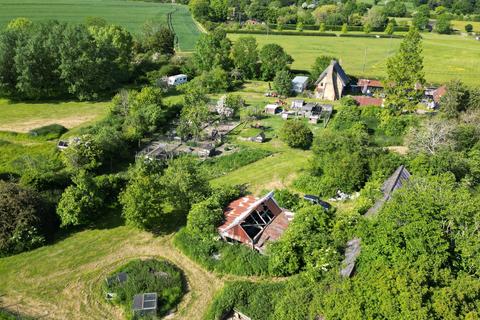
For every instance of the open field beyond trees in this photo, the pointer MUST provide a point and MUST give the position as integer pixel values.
(130, 14)
(445, 57)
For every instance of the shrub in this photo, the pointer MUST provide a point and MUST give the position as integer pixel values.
(346, 118)
(297, 134)
(53, 131)
(287, 199)
(468, 28)
(25, 219)
(145, 276)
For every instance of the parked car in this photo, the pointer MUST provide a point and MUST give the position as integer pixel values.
(316, 200)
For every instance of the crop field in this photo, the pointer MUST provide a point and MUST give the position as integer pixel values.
(130, 14)
(445, 57)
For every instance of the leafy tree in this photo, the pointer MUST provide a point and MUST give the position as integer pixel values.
(200, 9)
(287, 199)
(144, 197)
(80, 203)
(306, 244)
(321, 63)
(20, 24)
(322, 27)
(194, 114)
(82, 154)
(93, 21)
(376, 17)
(367, 28)
(420, 19)
(184, 183)
(297, 134)
(212, 50)
(158, 38)
(395, 9)
(273, 59)
(234, 102)
(443, 25)
(219, 10)
(468, 27)
(25, 222)
(203, 219)
(390, 28)
(37, 62)
(404, 73)
(282, 83)
(9, 40)
(344, 28)
(245, 56)
(455, 100)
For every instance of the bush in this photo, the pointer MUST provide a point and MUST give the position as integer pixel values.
(287, 199)
(26, 221)
(346, 118)
(50, 132)
(297, 134)
(145, 276)
(468, 28)
(223, 258)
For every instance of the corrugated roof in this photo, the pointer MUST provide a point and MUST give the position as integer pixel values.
(368, 101)
(394, 182)
(439, 93)
(352, 252)
(370, 83)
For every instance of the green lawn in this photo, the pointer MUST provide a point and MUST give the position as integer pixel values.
(24, 116)
(130, 14)
(445, 57)
(63, 280)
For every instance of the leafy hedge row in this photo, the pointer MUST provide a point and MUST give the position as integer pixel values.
(314, 34)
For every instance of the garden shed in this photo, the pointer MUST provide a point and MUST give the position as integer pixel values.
(254, 222)
(299, 84)
(145, 304)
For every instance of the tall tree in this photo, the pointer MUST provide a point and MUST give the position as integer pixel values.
(405, 74)
(212, 50)
(245, 56)
(273, 59)
(282, 83)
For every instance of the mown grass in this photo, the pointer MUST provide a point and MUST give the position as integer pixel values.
(446, 57)
(130, 14)
(25, 116)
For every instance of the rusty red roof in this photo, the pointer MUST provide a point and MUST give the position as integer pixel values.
(368, 101)
(439, 93)
(370, 83)
(241, 209)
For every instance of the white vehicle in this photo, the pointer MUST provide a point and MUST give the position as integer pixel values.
(177, 79)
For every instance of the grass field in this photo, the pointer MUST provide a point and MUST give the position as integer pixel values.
(445, 57)
(22, 117)
(130, 14)
(63, 280)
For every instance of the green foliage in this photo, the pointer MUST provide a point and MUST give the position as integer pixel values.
(51, 60)
(194, 114)
(254, 299)
(212, 50)
(287, 199)
(305, 245)
(390, 28)
(157, 38)
(145, 276)
(468, 28)
(321, 63)
(405, 73)
(455, 100)
(443, 25)
(344, 28)
(143, 198)
(245, 56)
(282, 83)
(346, 118)
(297, 134)
(273, 59)
(223, 258)
(82, 154)
(80, 203)
(25, 219)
